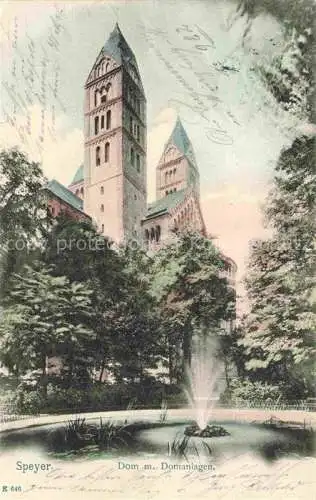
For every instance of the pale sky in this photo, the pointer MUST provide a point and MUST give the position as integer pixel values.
(192, 63)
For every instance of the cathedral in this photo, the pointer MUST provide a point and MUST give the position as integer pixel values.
(111, 186)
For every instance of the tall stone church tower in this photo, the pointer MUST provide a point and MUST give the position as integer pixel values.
(177, 168)
(115, 142)
(177, 206)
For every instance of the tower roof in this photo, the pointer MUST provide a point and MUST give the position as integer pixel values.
(78, 177)
(180, 139)
(117, 47)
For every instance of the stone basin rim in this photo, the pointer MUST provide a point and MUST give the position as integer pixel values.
(249, 416)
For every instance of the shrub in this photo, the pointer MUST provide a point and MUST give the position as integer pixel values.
(245, 391)
(97, 397)
(29, 403)
(59, 399)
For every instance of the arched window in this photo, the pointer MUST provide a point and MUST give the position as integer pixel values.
(174, 172)
(102, 228)
(97, 156)
(158, 233)
(103, 68)
(82, 191)
(96, 97)
(132, 156)
(102, 208)
(96, 125)
(107, 67)
(102, 190)
(137, 162)
(166, 177)
(103, 94)
(108, 90)
(146, 235)
(152, 234)
(102, 121)
(167, 192)
(137, 132)
(77, 192)
(107, 152)
(174, 190)
(108, 119)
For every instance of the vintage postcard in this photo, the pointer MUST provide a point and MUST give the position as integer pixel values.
(157, 249)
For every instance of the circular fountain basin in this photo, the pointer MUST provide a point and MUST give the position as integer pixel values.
(155, 438)
(238, 435)
(240, 438)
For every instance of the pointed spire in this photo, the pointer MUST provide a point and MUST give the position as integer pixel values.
(116, 46)
(117, 28)
(79, 175)
(180, 138)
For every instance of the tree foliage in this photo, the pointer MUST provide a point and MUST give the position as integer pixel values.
(115, 314)
(22, 204)
(289, 75)
(281, 282)
(188, 282)
(45, 316)
(24, 219)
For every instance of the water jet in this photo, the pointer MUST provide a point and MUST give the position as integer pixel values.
(202, 390)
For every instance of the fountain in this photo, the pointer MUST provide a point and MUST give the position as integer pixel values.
(203, 390)
(177, 434)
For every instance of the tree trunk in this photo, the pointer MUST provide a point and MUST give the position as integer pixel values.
(186, 348)
(102, 370)
(226, 372)
(44, 375)
(170, 362)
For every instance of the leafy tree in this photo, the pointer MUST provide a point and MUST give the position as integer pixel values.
(138, 346)
(23, 212)
(281, 284)
(290, 74)
(22, 207)
(192, 293)
(78, 251)
(44, 316)
(125, 322)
